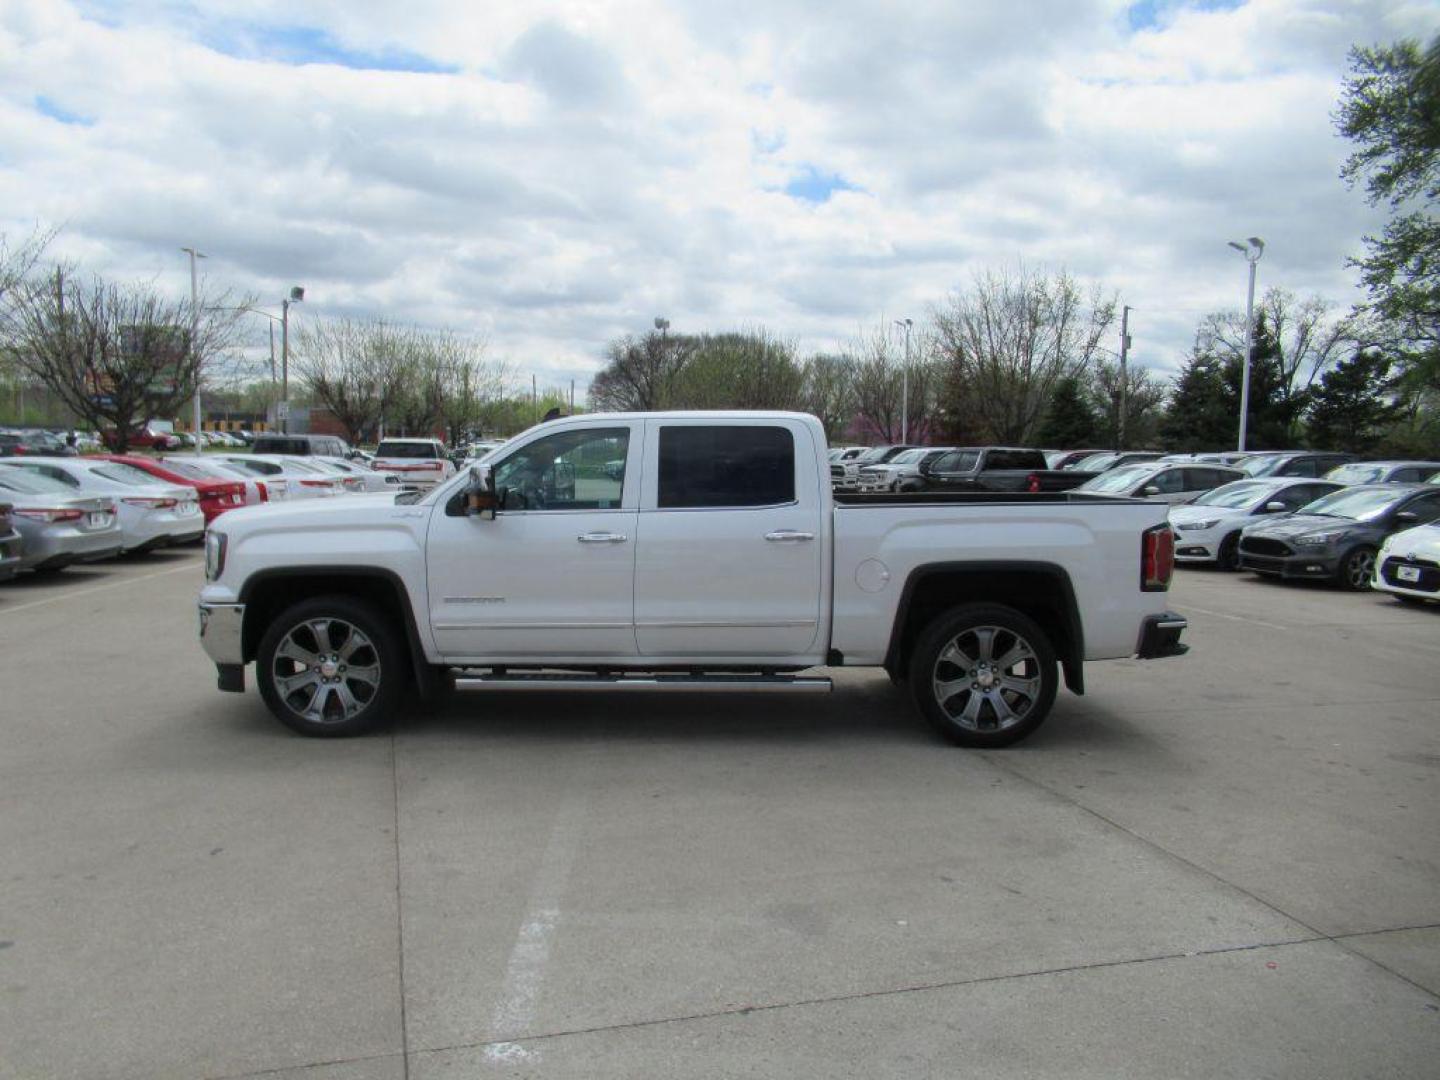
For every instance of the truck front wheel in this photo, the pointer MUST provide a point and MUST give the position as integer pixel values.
(330, 667)
(984, 675)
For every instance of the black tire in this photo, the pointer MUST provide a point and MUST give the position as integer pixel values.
(1228, 557)
(1355, 569)
(975, 715)
(341, 701)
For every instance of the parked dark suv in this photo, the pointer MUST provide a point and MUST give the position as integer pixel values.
(301, 445)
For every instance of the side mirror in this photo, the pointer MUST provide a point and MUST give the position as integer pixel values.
(480, 498)
(1275, 508)
(1151, 489)
(1406, 517)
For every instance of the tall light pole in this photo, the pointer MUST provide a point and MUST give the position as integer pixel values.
(297, 295)
(1124, 375)
(905, 383)
(1252, 249)
(195, 339)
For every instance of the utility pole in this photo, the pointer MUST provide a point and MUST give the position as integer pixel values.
(1124, 376)
(195, 341)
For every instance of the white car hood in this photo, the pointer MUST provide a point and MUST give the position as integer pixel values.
(1188, 515)
(305, 514)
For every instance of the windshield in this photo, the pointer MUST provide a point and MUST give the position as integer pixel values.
(124, 474)
(1238, 495)
(407, 450)
(1362, 504)
(1095, 462)
(1265, 465)
(908, 457)
(871, 456)
(1121, 479)
(31, 483)
(1357, 474)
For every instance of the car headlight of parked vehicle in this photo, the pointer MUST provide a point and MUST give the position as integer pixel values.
(1317, 539)
(215, 545)
(1197, 524)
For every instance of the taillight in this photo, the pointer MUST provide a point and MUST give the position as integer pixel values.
(48, 516)
(152, 503)
(1157, 559)
(264, 491)
(1032, 485)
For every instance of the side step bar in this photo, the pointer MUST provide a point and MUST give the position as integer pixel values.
(650, 683)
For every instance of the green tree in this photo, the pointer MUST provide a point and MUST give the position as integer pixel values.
(1201, 414)
(1071, 421)
(747, 369)
(1352, 408)
(1390, 109)
(1275, 408)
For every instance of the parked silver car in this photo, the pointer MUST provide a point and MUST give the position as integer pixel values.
(57, 525)
(9, 545)
(152, 513)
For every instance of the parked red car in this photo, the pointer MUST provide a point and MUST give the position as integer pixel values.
(216, 496)
(146, 438)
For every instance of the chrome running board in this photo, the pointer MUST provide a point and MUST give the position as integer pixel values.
(650, 683)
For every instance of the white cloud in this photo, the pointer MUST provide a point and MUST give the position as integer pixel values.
(557, 174)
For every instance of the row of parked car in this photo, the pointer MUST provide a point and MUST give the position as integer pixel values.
(59, 510)
(1292, 514)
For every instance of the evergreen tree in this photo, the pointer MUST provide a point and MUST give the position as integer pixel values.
(1350, 409)
(1201, 415)
(1070, 420)
(1274, 410)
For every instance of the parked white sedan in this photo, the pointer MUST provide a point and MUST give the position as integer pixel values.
(303, 481)
(257, 490)
(1208, 529)
(1408, 566)
(152, 513)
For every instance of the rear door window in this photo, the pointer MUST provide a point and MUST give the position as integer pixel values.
(729, 466)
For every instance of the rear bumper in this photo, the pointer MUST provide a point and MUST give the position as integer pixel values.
(1160, 636)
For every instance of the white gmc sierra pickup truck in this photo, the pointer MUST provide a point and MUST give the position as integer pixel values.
(681, 552)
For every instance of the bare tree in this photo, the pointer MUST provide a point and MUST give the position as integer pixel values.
(827, 390)
(640, 373)
(880, 382)
(1144, 395)
(116, 355)
(1010, 340)
(1310, 335)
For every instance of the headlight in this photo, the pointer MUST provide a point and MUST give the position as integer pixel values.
(1196, 524)
(1315, 539)
(215, 545)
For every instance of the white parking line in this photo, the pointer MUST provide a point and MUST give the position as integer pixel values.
(525, 973)
(1236, 618)
(189, 567)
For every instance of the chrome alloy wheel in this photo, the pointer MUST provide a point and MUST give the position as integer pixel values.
(326, 670)
(1359, 568)
(987, 678)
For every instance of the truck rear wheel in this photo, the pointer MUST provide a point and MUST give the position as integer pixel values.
(984, 675)
(330, 667)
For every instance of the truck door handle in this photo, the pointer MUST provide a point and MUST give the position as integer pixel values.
(602, 538)
(789, 536)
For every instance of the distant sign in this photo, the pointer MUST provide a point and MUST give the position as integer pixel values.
(282, 410)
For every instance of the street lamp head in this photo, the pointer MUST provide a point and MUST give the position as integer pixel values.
(1255, 242)
(661, 324)
(297, 293)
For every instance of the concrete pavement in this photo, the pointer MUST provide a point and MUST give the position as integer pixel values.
(1224, 865)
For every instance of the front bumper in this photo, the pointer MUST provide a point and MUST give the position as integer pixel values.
(1302, 564)
(221, 636)
(9, 555)
(1160, 636)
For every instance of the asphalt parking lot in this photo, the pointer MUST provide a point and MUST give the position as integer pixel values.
(1226, 865)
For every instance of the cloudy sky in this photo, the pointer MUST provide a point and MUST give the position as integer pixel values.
(550, 175)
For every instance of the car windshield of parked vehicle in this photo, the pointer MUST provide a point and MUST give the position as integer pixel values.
(1095, 462)
(871, 457)
(1264, 465)
(32, 483)
(1357, 474)
(1365, 504)
(124, 474)
(1121, 479)
(407, 450)
(1236, 495)
(909, 457)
